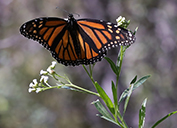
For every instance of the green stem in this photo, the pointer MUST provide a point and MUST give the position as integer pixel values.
(72, 85)
(89, 74)
(83, 89)
(116, 120)
(122, 120)
(119, 65)
(86, 70)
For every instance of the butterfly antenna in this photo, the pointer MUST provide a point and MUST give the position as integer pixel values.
(62, 10)
(67, 11)
(77, 14)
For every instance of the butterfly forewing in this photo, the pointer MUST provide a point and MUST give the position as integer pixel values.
(53, 35)
(106, 34)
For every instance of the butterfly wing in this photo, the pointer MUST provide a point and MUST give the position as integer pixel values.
(96, 36)
(54, 35)
(103, 35)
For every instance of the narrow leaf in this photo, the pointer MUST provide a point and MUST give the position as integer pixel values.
(128, 97)
(105, 97)
(123, 95)
(102, 109)
(108, 119)
(112, 64)
(142, 113)
(114, 91)
(140, 81)
(159, 121)
(134, 80)
(136, 85)
(136, 29)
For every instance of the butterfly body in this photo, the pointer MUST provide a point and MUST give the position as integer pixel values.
(74, 42)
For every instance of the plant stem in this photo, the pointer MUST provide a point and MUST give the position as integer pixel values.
(83, 89)
(122, 120)
(72, 85)
(119, 65)
(89, 74)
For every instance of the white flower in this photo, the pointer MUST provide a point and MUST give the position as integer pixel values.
(31, 85)
(44, 78)
(38, 90)
(120, 20)
(53, 64)
(35, 81)
(42, 72)
(51, 67)
(49, 70)
(31, 90)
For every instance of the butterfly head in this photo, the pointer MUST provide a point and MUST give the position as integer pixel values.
(70, 16)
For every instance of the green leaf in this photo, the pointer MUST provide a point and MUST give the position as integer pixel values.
(142, 113)
(112, 64)
(104, 113)
(123, 95)
(159, 121)
(105, 97)
(128, 97)
(108, 119)
(134, 80)
(102, 109)
(137, 84)
(114, 91)
(140, 81)
(136, 29)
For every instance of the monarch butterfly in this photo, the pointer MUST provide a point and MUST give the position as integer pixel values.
(74, 42)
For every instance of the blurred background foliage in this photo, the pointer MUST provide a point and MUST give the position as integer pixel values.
(153, 53)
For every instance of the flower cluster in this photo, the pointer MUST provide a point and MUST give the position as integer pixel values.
(121, 21)
(37, 87)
